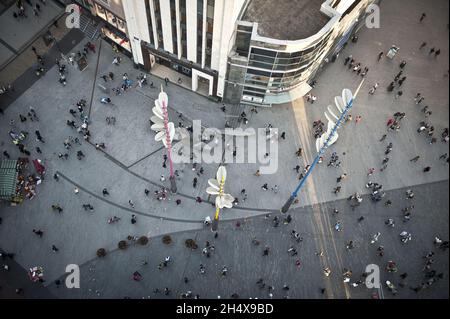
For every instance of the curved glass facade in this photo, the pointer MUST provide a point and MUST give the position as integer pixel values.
(274, 71)
(266, 71)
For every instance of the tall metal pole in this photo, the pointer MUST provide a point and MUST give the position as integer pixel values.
(215, 223)
(294, 195)
(173, 185)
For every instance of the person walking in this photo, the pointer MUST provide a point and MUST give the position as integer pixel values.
(6, 154)
(341, 178)
(54, 249)
(373, 89)
(39, 137)
(422, 17)
(347, 59)
(105, 192)
(380, 56)
(38, 232)
(438, 51)
(420, 100)
(399, 94)
(427, 169)
(57, 208)
(337, 190)
(422, 45)
(391, 87)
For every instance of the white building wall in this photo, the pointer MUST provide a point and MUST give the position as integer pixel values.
(225, 15)
(191, 29)
(136, 18)
(166, 22)
(222, 43)
(217, 33)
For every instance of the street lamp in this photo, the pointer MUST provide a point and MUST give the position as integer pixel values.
(343, 104)
(216, 187)
(166, 131)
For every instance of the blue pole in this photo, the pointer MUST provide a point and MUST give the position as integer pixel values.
(290, 201)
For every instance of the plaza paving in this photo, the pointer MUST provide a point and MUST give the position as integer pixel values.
(17, 34)
(132, 162)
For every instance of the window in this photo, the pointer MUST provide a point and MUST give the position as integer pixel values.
(264, 52)
(209, 31)
(183, 28)
(243, 43)
(101, 12)
(111, 18)
(174, 26)
(149, 19)
(199, 30)
(159, 25)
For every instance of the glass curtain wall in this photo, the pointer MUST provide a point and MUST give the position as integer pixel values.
(209, 32)
(183, 28)
(173, 13)
(199, 30)
(149, 19)
(159, 25)
(275, 71)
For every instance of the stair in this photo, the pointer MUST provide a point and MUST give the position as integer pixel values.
(234, 115)
(87, 26)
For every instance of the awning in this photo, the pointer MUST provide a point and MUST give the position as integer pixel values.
(8, 179)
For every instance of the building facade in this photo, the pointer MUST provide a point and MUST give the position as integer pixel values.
(114, 27)
(256, 52)
(269, 65)
(192, 38)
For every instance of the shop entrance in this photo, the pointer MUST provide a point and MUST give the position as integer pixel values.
(202, 83)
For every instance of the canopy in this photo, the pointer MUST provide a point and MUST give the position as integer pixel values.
(8, 179)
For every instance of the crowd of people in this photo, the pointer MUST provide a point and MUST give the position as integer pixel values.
(79, 122)
(22, 10)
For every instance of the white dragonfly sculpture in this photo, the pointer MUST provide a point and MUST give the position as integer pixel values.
(165, 129)
(216, 188)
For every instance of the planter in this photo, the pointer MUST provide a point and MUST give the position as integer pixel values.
(167, 240)
(122, 244)
(101, 252)
(190, 243)
(143, 240)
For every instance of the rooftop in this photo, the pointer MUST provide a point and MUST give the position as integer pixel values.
(286, 19)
